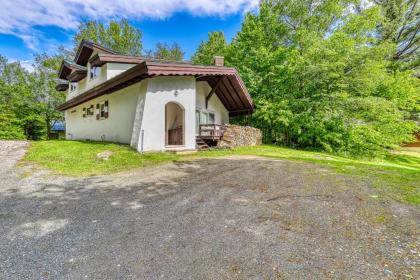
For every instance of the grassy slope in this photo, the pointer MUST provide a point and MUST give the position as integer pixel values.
(396, 176)
(79, 158)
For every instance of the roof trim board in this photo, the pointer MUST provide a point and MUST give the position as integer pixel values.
(67, 67)
(77, 75)
(100, 59)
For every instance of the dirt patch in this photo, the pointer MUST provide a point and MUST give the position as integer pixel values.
(222, 218)
(11, 152)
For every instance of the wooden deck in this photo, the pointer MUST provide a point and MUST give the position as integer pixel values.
(213, 132)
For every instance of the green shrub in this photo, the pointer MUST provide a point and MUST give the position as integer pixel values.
(35, 127)
(10, 126)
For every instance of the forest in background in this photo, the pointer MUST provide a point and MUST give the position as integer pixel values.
(337, 76)
(28, 99)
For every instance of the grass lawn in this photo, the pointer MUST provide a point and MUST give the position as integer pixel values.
(397, 176)
(78, 158)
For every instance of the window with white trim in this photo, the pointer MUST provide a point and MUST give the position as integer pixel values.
(203, 117)
(207, 117)
(73, 86)
(102, 111)
(94, 72)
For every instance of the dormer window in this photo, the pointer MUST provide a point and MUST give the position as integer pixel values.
(73, 86)
(94, 72)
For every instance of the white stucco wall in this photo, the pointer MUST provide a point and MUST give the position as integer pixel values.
(160, 91)
(106, 72)
(214, 105)
(81, 87)
(114, 69)
(118, 127)
(102, 77)
(87, 83)
(141, 107)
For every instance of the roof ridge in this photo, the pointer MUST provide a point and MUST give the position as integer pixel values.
(90, 42)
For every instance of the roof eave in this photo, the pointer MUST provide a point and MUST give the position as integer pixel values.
(61, 86)
(77, 75)
(234, 96)
(86, 45)
(65, 65)
(100, 59)
(106, 87)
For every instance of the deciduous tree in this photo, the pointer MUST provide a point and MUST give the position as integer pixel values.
(167, 52)
(321, 79)
(215, 45)
(119, 36)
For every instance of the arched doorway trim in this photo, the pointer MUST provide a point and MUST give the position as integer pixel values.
(174, 124)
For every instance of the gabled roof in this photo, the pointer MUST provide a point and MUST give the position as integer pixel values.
(61, 85)
(228, 85)
(67, 66)
(85, 50)
(225, 82)
(77, 75)
(100, 59)
(81, 58)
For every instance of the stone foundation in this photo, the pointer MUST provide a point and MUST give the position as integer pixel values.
(236, 136)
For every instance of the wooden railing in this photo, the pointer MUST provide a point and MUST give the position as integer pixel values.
(212, 131)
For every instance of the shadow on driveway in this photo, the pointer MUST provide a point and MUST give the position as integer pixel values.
(230, 218)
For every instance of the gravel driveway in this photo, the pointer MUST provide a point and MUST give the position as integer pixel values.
(227, 218)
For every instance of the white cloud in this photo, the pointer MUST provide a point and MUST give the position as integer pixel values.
(23, 15)
(28, 65)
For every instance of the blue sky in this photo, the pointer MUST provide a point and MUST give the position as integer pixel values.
(41, 26)
(187, 30)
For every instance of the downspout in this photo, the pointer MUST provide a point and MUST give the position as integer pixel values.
(142, 138)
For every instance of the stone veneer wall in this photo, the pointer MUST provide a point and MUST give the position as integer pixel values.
(236, 135)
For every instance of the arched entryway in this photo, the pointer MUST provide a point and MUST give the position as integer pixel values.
(174, 124)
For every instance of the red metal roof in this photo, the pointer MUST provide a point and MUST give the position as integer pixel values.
(229, 86)
(231, 91)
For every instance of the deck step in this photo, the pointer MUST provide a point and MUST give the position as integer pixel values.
(201, 144)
